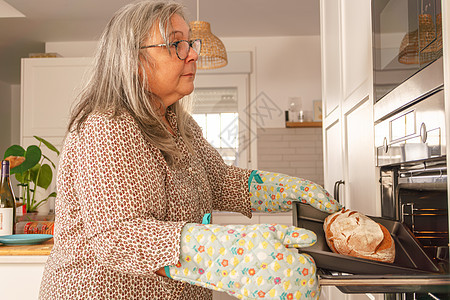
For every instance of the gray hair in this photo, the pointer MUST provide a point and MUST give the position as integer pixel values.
(118, 81)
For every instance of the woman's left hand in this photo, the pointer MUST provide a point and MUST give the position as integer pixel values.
(274, 192)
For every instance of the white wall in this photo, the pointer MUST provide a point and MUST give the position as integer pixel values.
(5, 117)
(15, 112)
(283, 67)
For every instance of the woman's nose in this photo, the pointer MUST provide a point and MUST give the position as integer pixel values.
(192, 55)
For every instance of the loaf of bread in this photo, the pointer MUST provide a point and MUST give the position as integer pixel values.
(15, 161)
(351, 233)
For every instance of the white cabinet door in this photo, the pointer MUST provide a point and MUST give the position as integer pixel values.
(356, 37)
(20, 276)
(360, 182)
(349, 151)
(331, 55)
(347, 95)
(333, 157)
(49, 88)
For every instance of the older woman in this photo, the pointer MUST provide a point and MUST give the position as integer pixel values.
(136, 178)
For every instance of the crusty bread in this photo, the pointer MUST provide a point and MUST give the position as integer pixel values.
(15, 161)
(351, 233)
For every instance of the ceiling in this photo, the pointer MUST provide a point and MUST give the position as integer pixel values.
(83, 20)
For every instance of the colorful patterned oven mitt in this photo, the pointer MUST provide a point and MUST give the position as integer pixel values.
(248, 262)
(274, 192)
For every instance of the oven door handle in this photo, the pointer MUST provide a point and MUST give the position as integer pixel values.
(382, 281)
(382, 284)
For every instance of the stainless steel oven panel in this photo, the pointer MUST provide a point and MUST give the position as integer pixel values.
(411, 91)
(416, 133)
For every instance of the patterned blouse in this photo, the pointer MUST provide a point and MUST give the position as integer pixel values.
(120, 209)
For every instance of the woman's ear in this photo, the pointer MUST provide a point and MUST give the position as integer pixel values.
(144, 68)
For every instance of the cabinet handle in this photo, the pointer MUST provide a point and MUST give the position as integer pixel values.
(336, 189)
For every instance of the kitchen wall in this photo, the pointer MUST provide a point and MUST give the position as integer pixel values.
(284, 67)
(15, 111)
(9, 116)
(5, 116)
(292, 151)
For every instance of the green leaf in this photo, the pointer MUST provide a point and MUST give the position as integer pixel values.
(54, 167)
(14, 150)
(34, 172)
(52, 195)
(21, 178)
(32, 157)
(45, 176)
(48, 144)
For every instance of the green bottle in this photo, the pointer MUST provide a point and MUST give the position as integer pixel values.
(7, 203)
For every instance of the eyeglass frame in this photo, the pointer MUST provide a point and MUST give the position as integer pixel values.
(191, 42)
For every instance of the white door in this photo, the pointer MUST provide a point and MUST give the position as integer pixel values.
(221, 107)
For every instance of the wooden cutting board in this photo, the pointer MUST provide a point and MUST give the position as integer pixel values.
(40, 249)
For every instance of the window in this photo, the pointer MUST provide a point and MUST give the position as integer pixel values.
(216, 111)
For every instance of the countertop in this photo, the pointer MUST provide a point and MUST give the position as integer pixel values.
(27, 250)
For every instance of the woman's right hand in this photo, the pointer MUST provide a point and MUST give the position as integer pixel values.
(248, 262)
(161, 272)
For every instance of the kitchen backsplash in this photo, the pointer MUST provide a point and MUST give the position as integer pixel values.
(293, 151)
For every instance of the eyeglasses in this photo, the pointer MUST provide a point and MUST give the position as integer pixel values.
(182, 47)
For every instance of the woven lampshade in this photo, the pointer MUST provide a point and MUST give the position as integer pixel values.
(213, 54)
(428, 40)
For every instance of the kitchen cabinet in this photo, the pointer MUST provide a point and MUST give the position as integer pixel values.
(49, 88)
(22, 266)
(349, 152)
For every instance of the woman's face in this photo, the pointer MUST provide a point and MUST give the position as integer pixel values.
(169, 77)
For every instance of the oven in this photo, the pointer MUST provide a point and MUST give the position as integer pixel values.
(410, 130)
(411, 147)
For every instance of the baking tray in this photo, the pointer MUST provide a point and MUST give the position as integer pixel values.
(409, 255)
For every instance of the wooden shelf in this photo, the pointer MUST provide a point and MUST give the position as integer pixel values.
(303, 124)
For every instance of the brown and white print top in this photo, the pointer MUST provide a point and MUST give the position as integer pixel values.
(120, 209)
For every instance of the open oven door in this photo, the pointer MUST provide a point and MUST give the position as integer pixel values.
(412, 271)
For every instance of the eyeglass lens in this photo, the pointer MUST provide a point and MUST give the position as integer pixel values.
(183, 48)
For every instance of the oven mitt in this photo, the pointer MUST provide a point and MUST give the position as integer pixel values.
(248, 261)
(274, 192)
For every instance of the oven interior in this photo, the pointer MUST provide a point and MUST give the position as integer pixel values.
(416, 195)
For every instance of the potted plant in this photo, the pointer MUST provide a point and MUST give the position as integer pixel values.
(32, 171)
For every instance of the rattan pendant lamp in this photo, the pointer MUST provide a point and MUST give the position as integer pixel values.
(213, 54)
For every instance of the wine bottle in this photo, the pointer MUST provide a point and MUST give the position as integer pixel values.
(7, 203)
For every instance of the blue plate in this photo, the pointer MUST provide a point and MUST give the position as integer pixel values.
(24, 239)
